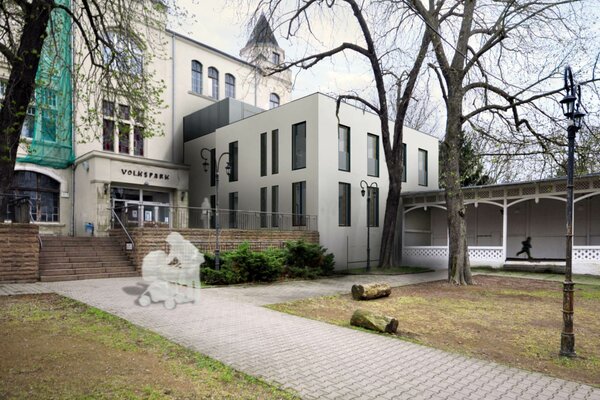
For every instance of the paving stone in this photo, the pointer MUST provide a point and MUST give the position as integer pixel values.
(315, 359)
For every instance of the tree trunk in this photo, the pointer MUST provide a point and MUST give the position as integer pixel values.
(387, 255)
(375, 322)
(20, 87)
(459, 271)
(371, 291)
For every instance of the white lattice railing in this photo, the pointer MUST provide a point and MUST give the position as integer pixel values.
(425, 251)
(486, 253)
(586, 253)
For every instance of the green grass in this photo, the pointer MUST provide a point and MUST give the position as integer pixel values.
(547, 276)
(55, 347)
(516, 322)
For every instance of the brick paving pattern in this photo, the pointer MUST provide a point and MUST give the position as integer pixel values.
(13, 289)
(318, 360)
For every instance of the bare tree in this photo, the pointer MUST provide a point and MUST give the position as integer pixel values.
(391, 81)
(109, 45)
(490, 65)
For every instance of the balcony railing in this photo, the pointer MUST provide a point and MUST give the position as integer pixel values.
(149, 215)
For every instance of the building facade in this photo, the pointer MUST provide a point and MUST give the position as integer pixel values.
(301, 165)
(114, 164)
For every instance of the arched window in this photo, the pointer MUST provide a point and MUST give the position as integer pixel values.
(43, 193)
(230, 86)
(196, 77)
(213, 75)
(273, 100)
(127, 56)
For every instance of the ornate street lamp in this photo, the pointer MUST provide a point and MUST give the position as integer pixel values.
(206, 164)
(364, 186)
(571, 105)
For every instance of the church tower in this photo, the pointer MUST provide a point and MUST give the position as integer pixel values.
(262, 48)
(263, 51)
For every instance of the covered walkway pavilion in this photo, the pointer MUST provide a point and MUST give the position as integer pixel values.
(500, 217)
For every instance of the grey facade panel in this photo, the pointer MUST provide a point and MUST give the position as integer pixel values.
(215, 116)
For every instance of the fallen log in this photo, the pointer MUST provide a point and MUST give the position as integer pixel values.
(371, 291)
(375, 322)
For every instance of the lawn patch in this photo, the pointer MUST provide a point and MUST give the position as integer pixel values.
(53, 347)
(512, 321)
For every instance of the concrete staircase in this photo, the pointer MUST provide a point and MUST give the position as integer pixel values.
(73, 258)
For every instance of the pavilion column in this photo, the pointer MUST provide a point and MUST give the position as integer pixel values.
(505, 229)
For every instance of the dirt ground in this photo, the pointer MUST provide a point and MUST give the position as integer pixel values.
(55, 348)
(512, 321)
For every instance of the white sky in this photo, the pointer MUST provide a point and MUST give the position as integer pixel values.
(223, 24)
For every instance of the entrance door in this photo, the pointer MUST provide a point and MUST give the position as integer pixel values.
(140, 207)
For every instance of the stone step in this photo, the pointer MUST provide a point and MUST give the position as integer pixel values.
(83, 271)
(60, 278)
(50, 259)
(79, 265)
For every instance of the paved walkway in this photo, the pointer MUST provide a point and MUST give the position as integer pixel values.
(316, 359)
(13, 289)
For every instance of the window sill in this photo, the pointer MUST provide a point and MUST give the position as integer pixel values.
(202, 96)
(50, 224)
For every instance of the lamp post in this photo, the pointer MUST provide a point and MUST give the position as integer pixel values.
(227, 171)
(364, 186)
(571, 104)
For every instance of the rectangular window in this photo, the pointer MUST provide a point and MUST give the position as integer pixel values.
(275, 152)
(233, 161)
(275, 58)
(263, 154)
(213, 166)
(263, 207)
(233, 205)
(404, 162)
(372, 155)
(344, 204)
(108, 135)
(49, 118)
(138, 141)
(373, 199)
(343, 148)
(299, 146)
(299, 203)
(124, 138)
(274, 206)
(422, 167)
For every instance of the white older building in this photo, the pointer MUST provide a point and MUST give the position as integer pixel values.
(298, 166)
(97, 168)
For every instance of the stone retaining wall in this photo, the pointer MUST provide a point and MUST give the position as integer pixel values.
(151, 239)
(19, 253)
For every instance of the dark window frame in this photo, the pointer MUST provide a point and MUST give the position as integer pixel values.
(229, 86)
(371, 136)
(295, 162)
(233, 161)
(196, 77)
(346, 152)
(299, 204)
(264, 194)
(373, 193)
(213, 75)
(344, 204)
(274, 100)
(425, 152)
(275, 206)
(404, 163)
(263, 154)
(275, 151)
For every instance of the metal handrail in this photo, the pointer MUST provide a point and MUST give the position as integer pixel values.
(114, 214)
